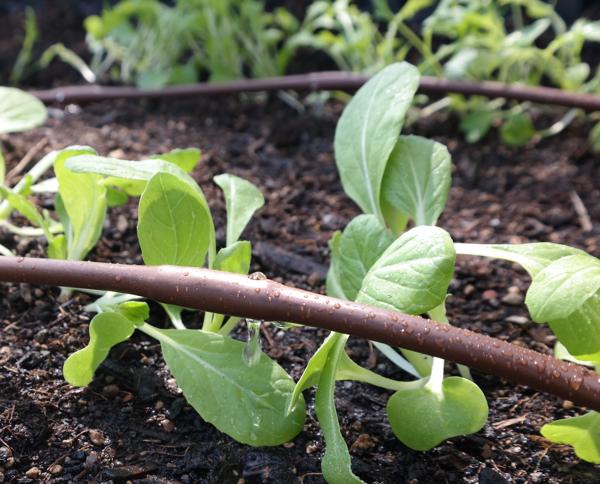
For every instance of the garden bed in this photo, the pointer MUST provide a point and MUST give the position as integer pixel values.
(132, 424)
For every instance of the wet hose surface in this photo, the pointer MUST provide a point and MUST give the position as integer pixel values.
(259, 298)
(336, 80)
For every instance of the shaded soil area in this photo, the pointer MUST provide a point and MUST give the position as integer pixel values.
(132, 423)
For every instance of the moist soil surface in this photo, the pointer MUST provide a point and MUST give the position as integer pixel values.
(132, 423)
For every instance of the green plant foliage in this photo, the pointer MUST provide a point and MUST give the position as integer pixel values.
(367, 131)
(517, 130)
(417, 178)
(247, 404)
(83, 197)
(413, 274)
(234, 258)
(566, 294)
(173, 223)
(242, 199)
(106, 331)
(363, 241)
(185, 158)
(19, 111)
(336, 465)
(582, 433)
(424, 417)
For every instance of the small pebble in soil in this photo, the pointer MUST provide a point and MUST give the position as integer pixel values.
(489, 295)
(33, 473)
(90, 461)
(97, 438)
(513, 296)
(110, 391)
(469, 289)
(314, 279)
(312, 448)
(517, 319)
(56, 469)
(167, 425)
(567, 404)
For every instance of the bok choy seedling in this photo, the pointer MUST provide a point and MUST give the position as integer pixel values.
(233, 385)
(396, 180)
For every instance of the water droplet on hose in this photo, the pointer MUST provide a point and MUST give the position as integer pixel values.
(257, 276)
(576, 382)
(252, 349)
(20, 259)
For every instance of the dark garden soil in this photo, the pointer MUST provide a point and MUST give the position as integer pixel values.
(132, 423)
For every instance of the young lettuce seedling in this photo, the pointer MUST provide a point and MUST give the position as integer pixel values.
(248, 393)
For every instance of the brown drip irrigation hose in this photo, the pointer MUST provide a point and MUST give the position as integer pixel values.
(258, 298)
(336, 80)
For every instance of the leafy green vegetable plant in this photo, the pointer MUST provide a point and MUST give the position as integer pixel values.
(175, 227)
(469, 40)
(397, 179)
(152, 44)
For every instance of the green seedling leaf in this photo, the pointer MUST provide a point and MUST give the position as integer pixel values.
(246, 404)
(566, 295)
(594, 137)
(367, 132)
(27, 209)
(363, 241)
(20, 111)
(106, 330)
(115, 197)
(184, 158)
(173, 223)
(413, 274)
(57, 247)
(84, 202)
(136, 311)
(312, 372)
(235, 258)
(242, 199)
(333, 282)
(562, 353)
(517, 130)
(422, 418)
(582, 433)
(476, 125)
(140, 170)
(336, 465)
(417, 178)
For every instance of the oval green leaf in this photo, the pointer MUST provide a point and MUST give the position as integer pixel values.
(363, 241)
(84, 203)
(248, 404)
(368, 129)
(583, 433)
(417, 178)
(422, 418)
(242, 199)
(20, 111)
(173, 223)
(566, 295)
(106, 330)
(413, 274)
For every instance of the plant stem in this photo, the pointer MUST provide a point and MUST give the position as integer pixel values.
(31, 176)
(262, 299)
(229, 325)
